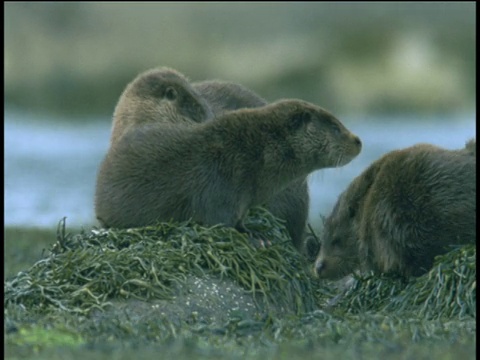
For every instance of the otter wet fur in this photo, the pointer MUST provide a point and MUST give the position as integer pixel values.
(402, 211)
(215, 171)
(165, 96)
(290, 204)
(223, 96)
(158, 96)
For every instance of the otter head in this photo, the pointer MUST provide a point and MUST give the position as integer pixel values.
(321, 140)
(162, 96)
(342, 251)
(338, 255)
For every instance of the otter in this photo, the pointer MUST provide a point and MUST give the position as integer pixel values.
(223, 96)
(174, 101)
(402, 211)
(160, 95)
(291, 204)
(215, 171)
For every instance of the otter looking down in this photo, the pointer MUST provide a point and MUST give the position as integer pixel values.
(402, 211)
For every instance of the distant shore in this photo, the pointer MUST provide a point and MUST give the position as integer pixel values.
(75, 59)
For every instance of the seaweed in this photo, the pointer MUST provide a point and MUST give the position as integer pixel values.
(185, 289)
(85, 271)
(447, 291)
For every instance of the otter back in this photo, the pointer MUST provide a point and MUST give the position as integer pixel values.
(214, 171)
(402, 211)
(158, 96)
(290, 204)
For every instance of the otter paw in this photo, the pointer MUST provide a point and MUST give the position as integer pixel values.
(259, 243)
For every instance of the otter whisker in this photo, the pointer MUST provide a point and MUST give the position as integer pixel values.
(339, 160)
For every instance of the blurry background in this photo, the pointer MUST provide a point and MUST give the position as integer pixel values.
(394, 73)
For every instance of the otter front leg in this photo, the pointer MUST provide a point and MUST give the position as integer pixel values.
(254, 237)
(219, 206)
(217, 211)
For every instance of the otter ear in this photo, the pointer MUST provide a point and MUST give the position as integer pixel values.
(170, 93)
(300, 118)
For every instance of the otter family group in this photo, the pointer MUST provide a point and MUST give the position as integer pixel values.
(209, 151)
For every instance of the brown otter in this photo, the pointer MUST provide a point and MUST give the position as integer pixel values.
(225, 96)
(401, 212)
(158, 96)
(174, 101)
(215, 171)
(292, 203)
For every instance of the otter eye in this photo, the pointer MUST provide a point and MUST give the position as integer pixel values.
(301, 118)
(336, 241)
(336, 130)
(170, 93)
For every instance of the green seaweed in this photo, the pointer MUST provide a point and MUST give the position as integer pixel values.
(447, 291)
(114, 292)
(83, 272)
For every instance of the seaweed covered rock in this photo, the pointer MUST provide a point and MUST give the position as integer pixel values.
(184, 289)
(447, 291)
(181, 271)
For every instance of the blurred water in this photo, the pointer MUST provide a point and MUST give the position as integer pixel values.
(50, 170)
(51, 166)
(379, 137)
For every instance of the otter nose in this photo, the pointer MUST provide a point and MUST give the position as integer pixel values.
(357, 141)
(319, 267)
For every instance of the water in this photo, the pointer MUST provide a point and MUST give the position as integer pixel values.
(50, 170)
(51, 166)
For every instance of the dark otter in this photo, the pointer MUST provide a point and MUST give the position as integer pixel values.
(158, 96)
(401, 212)
(215, 171)
(225, 96)
(291, 204)
(174, 101)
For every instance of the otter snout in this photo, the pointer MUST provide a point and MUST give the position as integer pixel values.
(356, 146)
(330, 267)
(319, 267)
(348, 149)
(357, 142)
